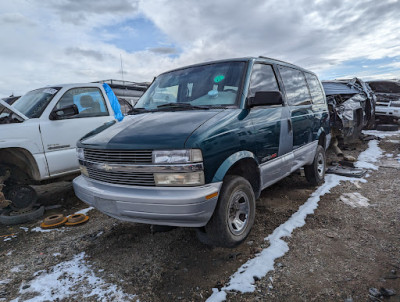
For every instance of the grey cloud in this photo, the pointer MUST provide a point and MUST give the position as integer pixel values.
(16, 19)
(77, 12)
(163, 50)
(79, 52)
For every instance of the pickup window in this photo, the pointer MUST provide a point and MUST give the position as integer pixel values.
(34, 102)
(90, 101)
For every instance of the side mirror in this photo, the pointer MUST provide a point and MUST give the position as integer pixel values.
(265, 98)
(64, 112)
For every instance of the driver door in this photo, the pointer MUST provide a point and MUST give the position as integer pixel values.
(60, 136)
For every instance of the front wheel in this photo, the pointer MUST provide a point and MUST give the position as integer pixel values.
(233, 216)
(315, 172)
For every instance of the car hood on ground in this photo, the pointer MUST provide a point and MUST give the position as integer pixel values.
(153, 130)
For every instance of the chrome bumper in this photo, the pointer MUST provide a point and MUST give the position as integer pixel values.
(175, 206)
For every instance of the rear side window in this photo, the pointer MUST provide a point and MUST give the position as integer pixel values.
(295, 86)
(315, 88)
(262, 79)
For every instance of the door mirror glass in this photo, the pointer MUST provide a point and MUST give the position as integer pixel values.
(266, 98)
(65, 112)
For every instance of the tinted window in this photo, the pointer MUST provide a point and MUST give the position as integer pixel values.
(90, 101)
(315, 89)
(262, 79)
(295, 86)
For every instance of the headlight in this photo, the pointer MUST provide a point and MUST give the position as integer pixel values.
(179, 179)
(177, 156)
(80, 153)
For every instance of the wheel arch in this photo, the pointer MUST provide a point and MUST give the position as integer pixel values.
(22, 164)
(242, 163)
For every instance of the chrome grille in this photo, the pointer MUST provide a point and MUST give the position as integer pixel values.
(132, 179)
(119, 156)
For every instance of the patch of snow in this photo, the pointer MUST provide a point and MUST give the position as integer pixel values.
(354, 200)
(394, 141)
(259, 266)
(381, 134)
(85, 211)
(9, 253)
(243, 279)
(71, 279)
(388, 154)
(24, 229)
(100, 233)
(369, 156)
(5, 281)
(17, 268)
(56, 254)
(40, 230)
(9, 238)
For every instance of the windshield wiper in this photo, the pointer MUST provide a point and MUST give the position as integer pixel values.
(137, 110)
(181, 106)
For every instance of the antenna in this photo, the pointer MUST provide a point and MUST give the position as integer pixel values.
(122, 69)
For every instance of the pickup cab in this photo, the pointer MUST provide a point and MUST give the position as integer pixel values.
(202, 143)
(39, 131)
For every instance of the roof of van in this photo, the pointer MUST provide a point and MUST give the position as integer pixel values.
(243, 59)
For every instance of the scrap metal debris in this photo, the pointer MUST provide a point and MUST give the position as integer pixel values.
(351, 106)
(346, 171)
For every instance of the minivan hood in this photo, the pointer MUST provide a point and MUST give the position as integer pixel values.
(148, 131)
(21, 115)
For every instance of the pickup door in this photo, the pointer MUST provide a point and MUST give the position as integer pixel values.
(60, 136)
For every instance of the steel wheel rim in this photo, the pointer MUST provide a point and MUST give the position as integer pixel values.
(320, 165)
(238, 212)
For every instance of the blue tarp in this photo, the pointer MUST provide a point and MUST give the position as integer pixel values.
(114, 102)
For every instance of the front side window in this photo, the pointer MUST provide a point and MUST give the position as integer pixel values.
(35, 102)
(295, 86)
(262, 79)
(210, 85)
(90, 101)
(315, 89)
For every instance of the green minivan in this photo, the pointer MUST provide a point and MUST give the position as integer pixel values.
(203, 142)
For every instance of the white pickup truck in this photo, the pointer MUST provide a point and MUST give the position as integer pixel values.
(39, 131)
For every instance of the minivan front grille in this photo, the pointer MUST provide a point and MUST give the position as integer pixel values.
(119, 178)
(119, 156)
(123, 157)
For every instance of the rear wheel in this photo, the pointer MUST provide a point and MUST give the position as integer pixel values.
(315, 172)
(233, 216)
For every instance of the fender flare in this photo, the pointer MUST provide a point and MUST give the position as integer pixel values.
(229, 162)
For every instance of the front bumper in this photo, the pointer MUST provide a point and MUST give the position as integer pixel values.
(175, 206)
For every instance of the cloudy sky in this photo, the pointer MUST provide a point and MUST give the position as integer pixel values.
(63, 41)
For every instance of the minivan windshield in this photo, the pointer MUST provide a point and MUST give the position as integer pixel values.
(216, 84)
(33, 103)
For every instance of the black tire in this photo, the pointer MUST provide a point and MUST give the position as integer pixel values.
(387, 127)
(236, 205)
(32, 215)
(315, 173)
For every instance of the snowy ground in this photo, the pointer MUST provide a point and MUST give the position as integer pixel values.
(106, 260)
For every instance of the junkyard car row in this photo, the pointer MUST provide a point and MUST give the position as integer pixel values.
(196, 150)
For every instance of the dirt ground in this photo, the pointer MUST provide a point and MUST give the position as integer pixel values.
(338, 255)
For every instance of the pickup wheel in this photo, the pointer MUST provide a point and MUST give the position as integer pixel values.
(315, 172)
(233, 216)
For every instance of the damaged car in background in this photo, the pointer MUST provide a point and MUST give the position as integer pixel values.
(351, 106)
(388, 100)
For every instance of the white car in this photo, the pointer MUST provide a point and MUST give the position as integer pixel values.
(38, 134)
